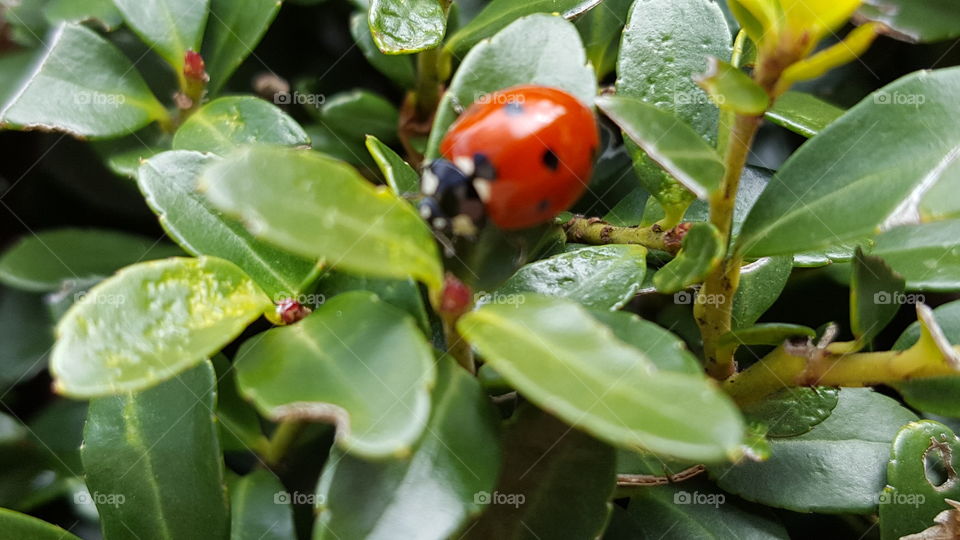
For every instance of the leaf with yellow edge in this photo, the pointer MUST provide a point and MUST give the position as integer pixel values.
(757, 17)
(855, 44)
(150, 322)
(816, 18)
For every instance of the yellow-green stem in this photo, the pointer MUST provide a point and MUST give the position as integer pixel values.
(792, 366)
(281, 440)
(457, 347)
(714, 306)
(598, 232)
(429, 85)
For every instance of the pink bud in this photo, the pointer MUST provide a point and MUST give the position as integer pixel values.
(457, 297)
(194, 68)
(290, 311)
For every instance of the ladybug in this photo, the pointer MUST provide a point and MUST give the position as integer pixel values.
(519, 157)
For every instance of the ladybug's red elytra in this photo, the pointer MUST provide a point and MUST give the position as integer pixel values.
(519, 156)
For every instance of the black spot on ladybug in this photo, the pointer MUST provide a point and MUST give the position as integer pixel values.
(543, 205)
(513, 109)
(551, 160)
(482, 168)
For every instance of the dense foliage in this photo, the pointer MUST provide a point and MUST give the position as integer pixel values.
(222, 315)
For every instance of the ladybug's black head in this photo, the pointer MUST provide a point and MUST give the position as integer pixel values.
(454, 194)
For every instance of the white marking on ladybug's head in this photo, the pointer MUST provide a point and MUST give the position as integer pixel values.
(429, 182)
(483, 189)
(425, 212)
(464, 226)
(439, 223)
(465, 165)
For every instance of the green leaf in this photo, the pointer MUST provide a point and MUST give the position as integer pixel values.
(400, 176)
(397, 68)
(702, 250)
(665, 43)
(668, 141)
(333, 144)
(319, 207)
(224, 124)
(103, 12)
(432, 492)
(803, 113)
(761, 283)
(665, 350)
(916, 20)
(42, 262)
(258, 510)
(793, 411)
(15, 67)
(407, 26)
(731, 88)
(83, 86)
(233, 30)
(631, 463)
(873, 289)
(910, 501)
(169, 180)
(150, 322)
(629, 210)
(501, 13)
(766, 334)
(17, 525)
(697, 509)
(537, 49)
(169, 27)
(565, 361)
(856, 178)
(555, 483)
(837, 467)
(152, 461)
(237, 420)
(753, 181)
(400, 293)
(600, 30)
(487, 262)
(934, 394)
(58, 431)
(123, 156)
(359, 113)
(26, 334)
(839, 253)
(602, 277)
(927, 255)
(355, 362)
